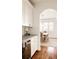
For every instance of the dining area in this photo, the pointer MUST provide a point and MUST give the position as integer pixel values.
(44, 36)
(46, 40)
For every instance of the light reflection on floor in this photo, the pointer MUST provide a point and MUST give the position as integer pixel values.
(50, 42)
(52, 52)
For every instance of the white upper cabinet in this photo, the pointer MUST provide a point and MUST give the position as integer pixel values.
(27, 13)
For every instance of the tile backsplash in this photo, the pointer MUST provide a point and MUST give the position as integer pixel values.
(26, 28)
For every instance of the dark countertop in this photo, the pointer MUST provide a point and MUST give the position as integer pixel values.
(24, 37)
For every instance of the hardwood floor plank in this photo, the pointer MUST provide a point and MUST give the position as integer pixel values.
(45, 54)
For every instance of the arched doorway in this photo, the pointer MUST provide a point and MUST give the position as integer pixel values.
(48, 27)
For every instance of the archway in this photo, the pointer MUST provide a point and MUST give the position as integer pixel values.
(48, 13)
(48, 24)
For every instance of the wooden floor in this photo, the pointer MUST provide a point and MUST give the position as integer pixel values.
(26, 52)
(46, 53)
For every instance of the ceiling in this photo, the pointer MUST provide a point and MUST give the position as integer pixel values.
(37, 1)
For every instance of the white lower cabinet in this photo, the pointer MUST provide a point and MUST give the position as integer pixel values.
(34, 45)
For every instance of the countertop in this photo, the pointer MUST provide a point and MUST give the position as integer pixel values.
(24, 37)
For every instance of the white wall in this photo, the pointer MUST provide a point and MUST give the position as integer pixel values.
(39, 7)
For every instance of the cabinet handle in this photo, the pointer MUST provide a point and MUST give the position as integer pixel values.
(28, 41)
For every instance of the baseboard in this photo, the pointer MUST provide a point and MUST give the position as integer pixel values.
(39, 49)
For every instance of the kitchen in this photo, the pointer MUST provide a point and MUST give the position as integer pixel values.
(31, 41)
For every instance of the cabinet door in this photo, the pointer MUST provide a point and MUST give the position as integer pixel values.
(23, 12)
(33, 45)
(30, 16)
(27, 14)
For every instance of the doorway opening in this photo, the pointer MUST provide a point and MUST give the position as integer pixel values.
(48, 27)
